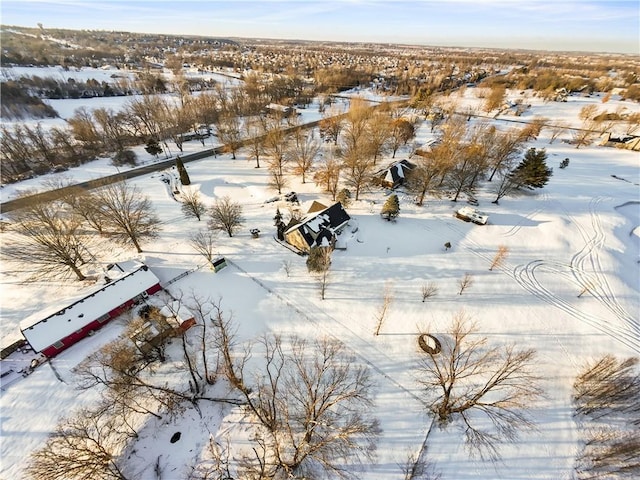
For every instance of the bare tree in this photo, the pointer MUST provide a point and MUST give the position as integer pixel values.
(378, 132)
(584, 135)
(229, 132)
(303, 151)
(255, 133)
(41, 143)
(557, 129)
(327, 174)
(128, 214)
(226, 215)
(84, 130)
(495, 98)
(85, 445)
(330, 127)
(44, 240)
(203, 242)
(192, 206)
(276, 145)
(425, 177)
(358, 168)
(383, 311)
(506, 185)
(314, 403)
(402, 130)
(471, 378)
(277, 180)
(505, 147)
(318, 263)
(500, 257)
(465, 282)
(429, 290)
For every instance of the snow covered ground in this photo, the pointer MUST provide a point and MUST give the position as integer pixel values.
(583, 227)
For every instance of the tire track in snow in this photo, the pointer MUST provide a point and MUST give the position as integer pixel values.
(596, 281)
(504, 268)
(529, 216)
(525, 276)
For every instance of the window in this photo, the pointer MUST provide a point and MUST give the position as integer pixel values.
(103, 318)
(58, 345)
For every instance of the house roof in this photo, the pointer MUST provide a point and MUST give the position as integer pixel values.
(43, 329)
(316, 207)
(178, 311)
(329, 219)
(396, 172)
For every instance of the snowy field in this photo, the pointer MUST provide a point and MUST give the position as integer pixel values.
(583, 227)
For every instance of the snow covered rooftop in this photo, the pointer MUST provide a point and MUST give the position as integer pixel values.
(42, 330)
(178, 311)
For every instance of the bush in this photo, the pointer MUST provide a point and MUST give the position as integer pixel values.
(125, 157)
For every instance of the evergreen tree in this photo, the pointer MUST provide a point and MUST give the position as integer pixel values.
(532, 172)
(279, 223)
(153, 147)
(344, 197)
(391, 208)
(184, 176)
(277, 220)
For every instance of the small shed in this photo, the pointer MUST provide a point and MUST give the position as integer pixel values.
(57, 329)
(179, 315)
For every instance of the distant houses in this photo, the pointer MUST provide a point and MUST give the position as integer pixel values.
(318, 228)
(52, 332)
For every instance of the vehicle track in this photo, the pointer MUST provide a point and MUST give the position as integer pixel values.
(544, 197)
(525, 275)
(588, 258)
(476, 249)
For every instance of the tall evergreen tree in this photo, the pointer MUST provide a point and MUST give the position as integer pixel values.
(279, 224)
(278, 218)
(532, 172)
(391, 208)
(184, 176)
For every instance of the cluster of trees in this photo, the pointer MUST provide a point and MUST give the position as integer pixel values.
(311, 404)
(359, 139)
(60, 237)
(153, 120)
(16, 103)
(466, 155)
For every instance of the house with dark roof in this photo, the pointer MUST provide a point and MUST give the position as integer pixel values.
(318, 228)
(629, 142)
(53, 331)
(394, 175)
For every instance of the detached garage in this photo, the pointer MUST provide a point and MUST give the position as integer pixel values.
(50, 334)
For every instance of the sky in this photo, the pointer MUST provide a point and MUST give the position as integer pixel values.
(580, 25)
